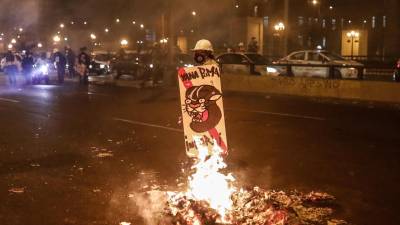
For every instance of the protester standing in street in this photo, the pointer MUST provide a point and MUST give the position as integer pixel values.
(70, 55)
(27, 67)
(60, 62)
(83, 66)
(203, 53)
(11, 67)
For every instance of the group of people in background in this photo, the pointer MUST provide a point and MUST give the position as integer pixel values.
(252, 47)
(29, 64)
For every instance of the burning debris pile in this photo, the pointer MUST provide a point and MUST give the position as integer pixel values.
(212, 198)
(257, 207)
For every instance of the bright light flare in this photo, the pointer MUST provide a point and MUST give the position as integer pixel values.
(93, 36)
(56, 38)
(124, 42)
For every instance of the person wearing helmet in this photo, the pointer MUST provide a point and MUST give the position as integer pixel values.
(203, 53)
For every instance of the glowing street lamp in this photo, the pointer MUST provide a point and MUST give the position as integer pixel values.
(106, 30)
(85, 22)
(117, 20)
(194, 13)
(62, 26)
(10, 46)
(279, 26)
(314, 2)
(39, 45)
(93, 36)
(66, 39)
(13, 41)
(21, 29)
(141, 26)
(124, 42)
(56, 39)
(133, 22)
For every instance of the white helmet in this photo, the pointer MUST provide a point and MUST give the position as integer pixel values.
(203, 45)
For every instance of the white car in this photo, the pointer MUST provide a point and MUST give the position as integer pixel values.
(244, 63)
(317, 63)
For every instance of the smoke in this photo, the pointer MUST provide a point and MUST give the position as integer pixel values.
(150, 206)
(24, 13)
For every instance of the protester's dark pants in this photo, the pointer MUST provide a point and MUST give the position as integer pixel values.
(71, 71)
(84, 79)
(11, 72)
(28, 76)
(61, 74)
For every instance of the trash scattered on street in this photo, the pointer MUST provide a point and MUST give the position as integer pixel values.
(104, 154)
(19, 190)
(124, 223)
(258, 207)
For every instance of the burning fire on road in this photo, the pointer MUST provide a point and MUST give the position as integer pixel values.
(212, 198)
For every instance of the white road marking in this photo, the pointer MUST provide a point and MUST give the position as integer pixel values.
(93, 93)
(148, 125)
(9, 100)
(278, 114)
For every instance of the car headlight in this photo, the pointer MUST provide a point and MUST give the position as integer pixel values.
(271, 70)
(102, 66)
(44, 69)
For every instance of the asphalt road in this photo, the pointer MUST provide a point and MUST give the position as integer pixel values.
(79, 155)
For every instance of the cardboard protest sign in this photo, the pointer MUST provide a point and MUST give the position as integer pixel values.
(202, 107)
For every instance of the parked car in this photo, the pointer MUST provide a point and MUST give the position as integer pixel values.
(100, 63)
(396, 74)
(244, 63)
(306, 64)
(127, 64)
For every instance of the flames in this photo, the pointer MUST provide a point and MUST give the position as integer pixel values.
(208, 184)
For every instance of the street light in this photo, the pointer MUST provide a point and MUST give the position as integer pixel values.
(10, 46)
(352, 35)
(56, 38)
(117, 20)
(13, 41)
(93, 36)
(62, 26)
(124, 42)
(21, 29)
(39, 45)
(106, 30)
(133, 22)
(194, 13)
(314, 2)
(279, 26)
(141, 26)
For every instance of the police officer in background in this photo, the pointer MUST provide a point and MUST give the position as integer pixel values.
(70, 55)
(27, 66)
(60, 62)
(203, 53)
